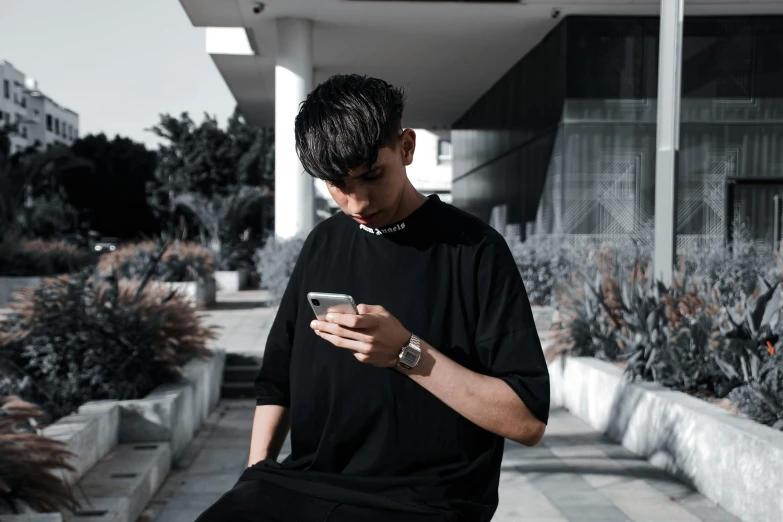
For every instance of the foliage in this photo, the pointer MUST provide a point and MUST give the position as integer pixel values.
(81, 338)
(542, 264)
(762, 398)
(207, 160)
(39, 257)
(28, 459)
(112, 196)
(276, 261)
(28, 175)
(181, 261)
(221, 218)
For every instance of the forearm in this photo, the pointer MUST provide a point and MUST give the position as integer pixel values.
(486, 401)
(270, 428)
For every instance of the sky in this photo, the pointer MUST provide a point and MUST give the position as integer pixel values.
(117, 64)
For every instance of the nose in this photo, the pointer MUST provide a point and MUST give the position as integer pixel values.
(358, 202)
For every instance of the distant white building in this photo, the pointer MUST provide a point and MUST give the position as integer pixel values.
(41, 120)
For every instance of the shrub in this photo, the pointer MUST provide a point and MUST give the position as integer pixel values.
(182, 261)
(762, 398)
(28, 459)
(275, 262)
(38, 257)
(80, 338)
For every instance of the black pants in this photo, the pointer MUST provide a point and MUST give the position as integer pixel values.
(259, 501)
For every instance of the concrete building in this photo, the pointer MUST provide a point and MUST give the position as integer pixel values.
(41, 120)
(564, 116)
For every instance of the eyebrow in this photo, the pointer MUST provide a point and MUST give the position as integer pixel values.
(366, 172)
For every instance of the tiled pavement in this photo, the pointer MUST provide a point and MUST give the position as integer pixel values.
(575, 474)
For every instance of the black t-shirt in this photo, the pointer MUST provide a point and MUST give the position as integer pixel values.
(373, 436)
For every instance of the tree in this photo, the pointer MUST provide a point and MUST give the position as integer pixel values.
(113, 196)
(207, 160)
(31, 177)
(221, 220)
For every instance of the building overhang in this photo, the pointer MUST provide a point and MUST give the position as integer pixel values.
(446, 54)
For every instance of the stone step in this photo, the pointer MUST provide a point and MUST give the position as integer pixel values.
(121, 484)
(240, 373)
(237, 390)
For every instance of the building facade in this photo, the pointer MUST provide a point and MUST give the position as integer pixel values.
(564, 143)
(40, 119)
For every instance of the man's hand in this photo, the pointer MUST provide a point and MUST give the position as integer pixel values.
(375, 336)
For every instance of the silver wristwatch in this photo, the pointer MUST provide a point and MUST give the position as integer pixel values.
(410, 355)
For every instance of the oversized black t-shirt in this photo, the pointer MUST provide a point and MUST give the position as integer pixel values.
(373, 436)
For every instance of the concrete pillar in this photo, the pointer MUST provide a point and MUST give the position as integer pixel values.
(668, 137)
(294, 209)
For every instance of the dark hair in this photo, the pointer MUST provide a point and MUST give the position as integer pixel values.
(344, 122)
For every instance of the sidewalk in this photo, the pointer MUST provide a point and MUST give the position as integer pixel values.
(575, 474)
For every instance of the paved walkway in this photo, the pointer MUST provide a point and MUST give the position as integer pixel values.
(575, 474)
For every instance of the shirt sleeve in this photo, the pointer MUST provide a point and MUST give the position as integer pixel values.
(271, 384)
(506, 338)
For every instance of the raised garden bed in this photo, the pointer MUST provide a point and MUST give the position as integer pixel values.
(202, 293)
(730, 459)
(232, 280)
(150, 433)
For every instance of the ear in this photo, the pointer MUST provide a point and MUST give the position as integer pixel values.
(407, 146)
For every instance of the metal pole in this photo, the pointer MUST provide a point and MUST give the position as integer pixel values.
(776, 222)
(668, 134)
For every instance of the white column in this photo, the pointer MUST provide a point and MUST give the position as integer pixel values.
(294, 209)
(668, 137)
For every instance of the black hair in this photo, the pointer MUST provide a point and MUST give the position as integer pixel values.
(344, 122)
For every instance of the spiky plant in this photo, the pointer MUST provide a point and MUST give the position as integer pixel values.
(275, 263)
(28, 460)
(41, 257)
(181, 261)
(83, 338)
(762, 398)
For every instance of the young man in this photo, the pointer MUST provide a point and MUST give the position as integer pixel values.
(375, 435)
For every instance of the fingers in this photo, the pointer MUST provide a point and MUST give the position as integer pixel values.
(339, 331)
(370, 309)
(351, 320)
(342, 342)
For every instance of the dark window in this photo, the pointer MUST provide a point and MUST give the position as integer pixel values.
(7, 89)
(24, 131)
(57, 126)
(49, 122)
(24, 101)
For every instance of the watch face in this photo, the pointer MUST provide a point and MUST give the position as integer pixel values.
(409, 357)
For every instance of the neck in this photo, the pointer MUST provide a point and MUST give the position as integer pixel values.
(410, 200)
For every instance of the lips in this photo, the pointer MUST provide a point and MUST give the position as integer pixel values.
(366, 219)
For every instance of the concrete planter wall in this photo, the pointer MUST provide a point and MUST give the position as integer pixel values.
(166, 420)
(544, 316)
(233, 280)
(172, 412)
(9, 285)
(203, 293)
(730, 459)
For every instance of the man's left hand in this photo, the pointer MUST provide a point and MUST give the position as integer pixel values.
(375, 336)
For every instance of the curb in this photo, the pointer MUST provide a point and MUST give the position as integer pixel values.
(732, 460)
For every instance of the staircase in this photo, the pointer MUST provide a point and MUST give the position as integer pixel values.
(238, 376)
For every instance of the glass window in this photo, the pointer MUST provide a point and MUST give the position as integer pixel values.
(444, 152)
(7, 89)
(49, 122)
(57, 126)
(24, 131)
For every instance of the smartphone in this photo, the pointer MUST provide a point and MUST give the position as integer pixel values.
(323, 303)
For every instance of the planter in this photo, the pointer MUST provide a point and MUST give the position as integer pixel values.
(202, 293)
(544, 316)
(731, 460)
(172, 412)
(9, 285)
(124, 449)
(232, 280)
